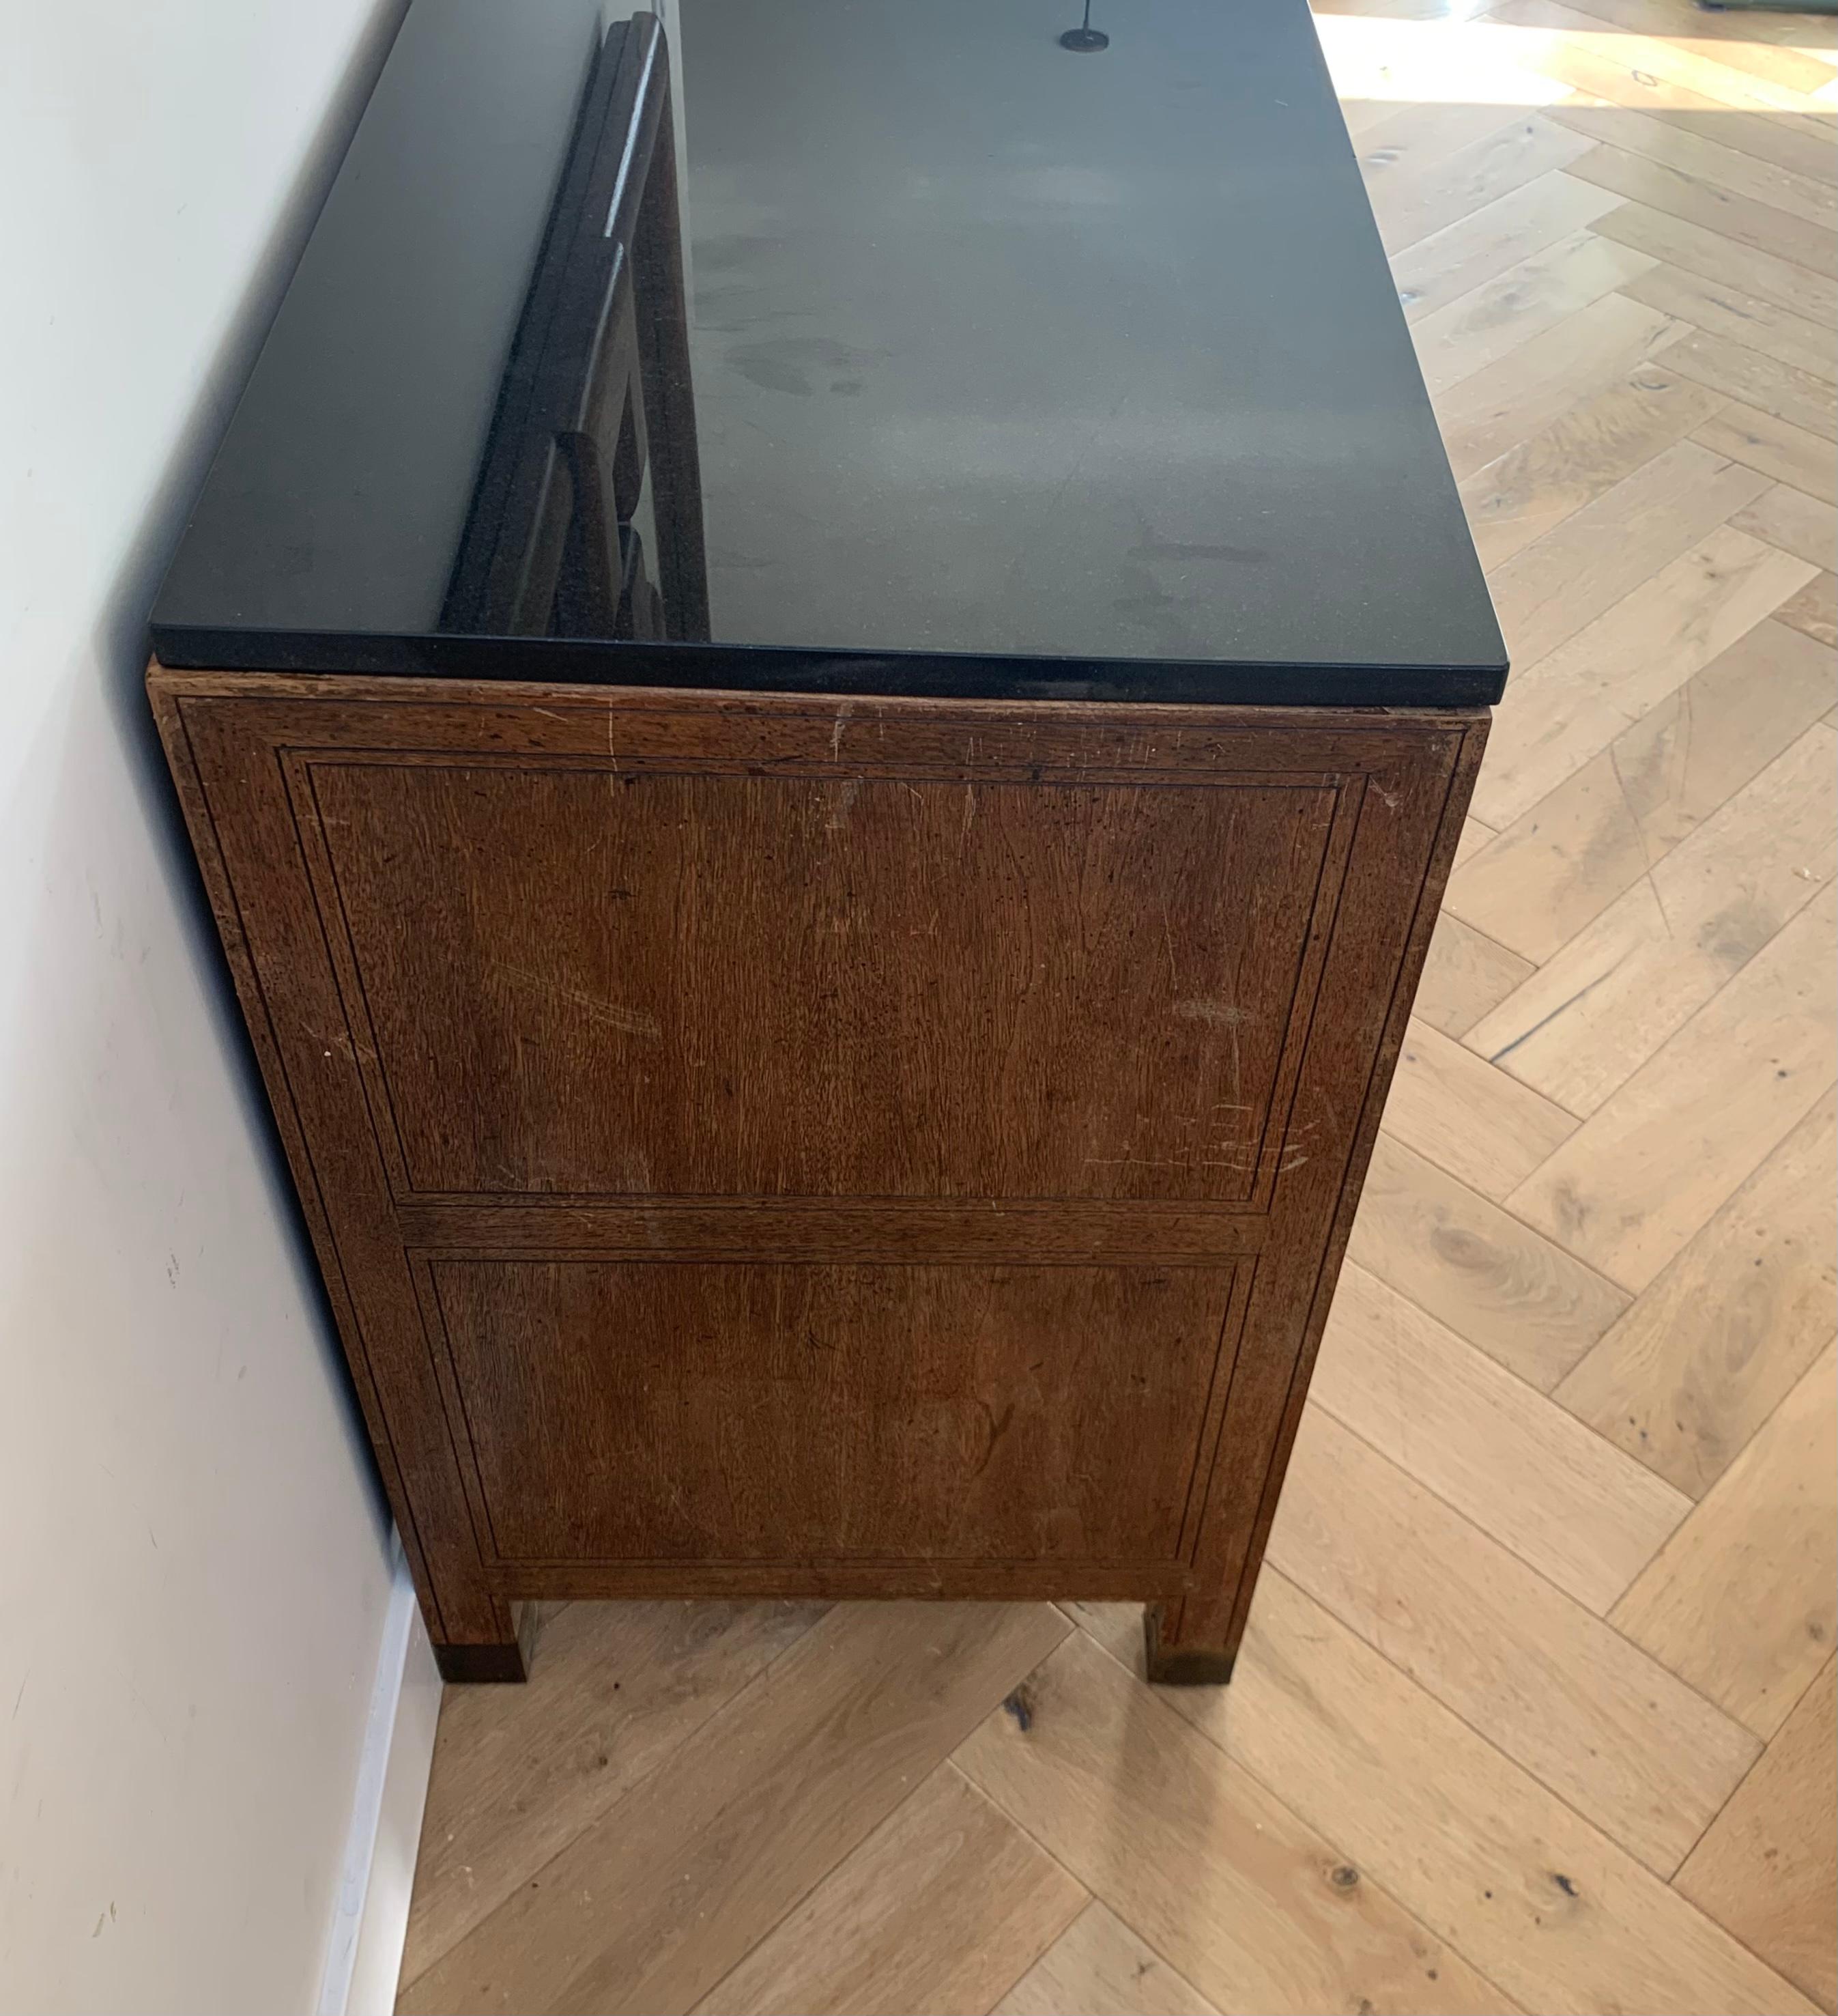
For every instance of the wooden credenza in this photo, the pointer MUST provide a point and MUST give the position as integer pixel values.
(826, 736)
(768, 1146)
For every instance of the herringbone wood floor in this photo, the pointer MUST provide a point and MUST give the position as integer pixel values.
(1537, 1709)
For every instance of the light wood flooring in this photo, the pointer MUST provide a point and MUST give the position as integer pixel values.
(1537, 1707)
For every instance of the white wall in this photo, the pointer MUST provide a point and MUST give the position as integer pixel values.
(193, 1566)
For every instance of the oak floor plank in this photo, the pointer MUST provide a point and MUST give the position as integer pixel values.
(1697, 248)
(1560, 865)
(1510, 1291)
(518, 1772)
(940, 1909)
(647, 1908)
(1649, 1167)
(1721, 310)
(1466, 975)
(1239, 1895)
(1582, 567)
(1537, 383)
(1557, 865)
(1803, 145)
(1541, 1900)
(1774, 446)
(1734, 28)
(1471, 1121)
(1697, 152)
(1598, 74)
(1692, 1371)
(1559, 714)
(1489, 240)
(1714, 71)
(1585, 451)
(1474, 835)
(1803, 526)
(1813, 611)
(1402, 144)
(1741, 1600)
(1580, 1511)
(1098, 1966)
(1767, 1870)
(1638, 178)
(1560, 1691)
(1479, 327)
(1758, 381)
(1437, 192)
(1592, 1014)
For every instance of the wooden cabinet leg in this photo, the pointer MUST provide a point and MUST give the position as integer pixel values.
(495, 1659)
(1188, 1644)
(464, 1663)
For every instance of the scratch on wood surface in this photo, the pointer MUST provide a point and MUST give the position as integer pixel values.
(631, 1021)
(1224, 1014)
(836, 734)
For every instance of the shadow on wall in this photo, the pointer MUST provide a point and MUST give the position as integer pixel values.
(121, 652)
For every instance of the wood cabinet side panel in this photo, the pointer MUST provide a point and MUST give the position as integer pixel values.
(1401, 783)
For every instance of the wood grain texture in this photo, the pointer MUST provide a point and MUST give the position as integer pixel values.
(1029, 1413)
(1513, 1294)
(1551, 1909)
(1697, 248)
(1448, 184)
(1577, 572)
(1466, 974)
(1798, 524)
(1469, 1119)
(1248, 1905)
(1722, 310)
(1098, 1966)
(1493, 239)
(699, 1862)
(1491, 320)
(906, 966)
(940, 1908)
(1801, 398)
(1560, 714)
(519, 1772)
(1772, 445)
(1607, 1728)
(1603, 1003)
(1768, 1867)
(1700, 1361)
(1698, 152)
(1741, 1601)
(1702, 198)
(1647, 1169)
(1494, 411)
(1584, 1514)
(1585, 451)
(1556, 868)
(1813, 611)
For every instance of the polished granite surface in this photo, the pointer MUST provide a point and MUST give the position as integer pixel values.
(884, 348)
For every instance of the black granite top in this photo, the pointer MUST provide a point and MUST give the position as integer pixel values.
(850, 345)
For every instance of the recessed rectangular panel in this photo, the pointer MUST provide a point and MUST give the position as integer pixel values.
(597, 981)
(737, 1411)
